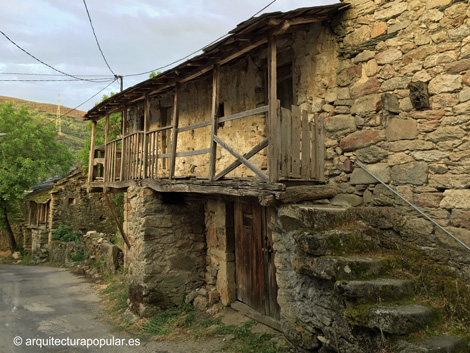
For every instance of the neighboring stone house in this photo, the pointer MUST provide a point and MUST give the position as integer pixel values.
(63, 201)
(246, 168)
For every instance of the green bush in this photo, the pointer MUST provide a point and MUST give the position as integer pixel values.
(65, 233)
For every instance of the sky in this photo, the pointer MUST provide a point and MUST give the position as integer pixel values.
(135, 36)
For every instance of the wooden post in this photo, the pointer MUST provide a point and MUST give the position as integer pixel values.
(146, 129)
(107, 161)
(92, 152)
(123, 150)
(215, 122)
(272, 121)
(116, 219)
(174, 132)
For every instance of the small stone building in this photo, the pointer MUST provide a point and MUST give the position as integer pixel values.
(258, 172)
(63, 201)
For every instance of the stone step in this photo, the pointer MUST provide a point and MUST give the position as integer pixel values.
(436, 344)
(332, 268)
(334, 242)
(399, 320)
(375, 290)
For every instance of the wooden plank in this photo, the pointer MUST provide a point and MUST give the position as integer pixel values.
(116, 220)
(166, 128)
(215, 123)
(123, 155)
(286, 138)
(251, 112)
(313, 149)
(255, 315)
(272, 124)
(305, 172)
(321, 150)
(295, 149)
(273, 309)
(247, 155)
(195, 126)
(92, 152)
(174, 135)
(106, 157)
(242, 159)
(193, 153)
(144, 137)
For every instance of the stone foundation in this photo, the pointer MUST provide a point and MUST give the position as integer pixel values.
(166, 259)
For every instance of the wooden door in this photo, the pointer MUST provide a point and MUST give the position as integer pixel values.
(254, 256)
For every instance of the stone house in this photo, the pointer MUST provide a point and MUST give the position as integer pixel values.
(252, 170)
(64, 201)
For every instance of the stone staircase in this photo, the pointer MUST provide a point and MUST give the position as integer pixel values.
(372, 301)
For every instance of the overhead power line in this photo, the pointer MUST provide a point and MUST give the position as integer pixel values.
(73, 80)
(96, 38)
(42, 62)
(35, 74)
(196, 51)
(93, 96)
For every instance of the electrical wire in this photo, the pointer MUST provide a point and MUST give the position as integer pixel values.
(264, 8)
(42, 62)
(96, 38)
(73, 80)
(33, 74)
(196, 51)
(93, 96)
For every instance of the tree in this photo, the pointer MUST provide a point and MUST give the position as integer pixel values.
(28, 154)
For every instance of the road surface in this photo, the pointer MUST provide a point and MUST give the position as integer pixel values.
(47, 309)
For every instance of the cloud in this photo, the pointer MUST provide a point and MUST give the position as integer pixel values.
(135, 36)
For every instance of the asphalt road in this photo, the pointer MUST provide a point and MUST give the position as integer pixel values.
(46, 309)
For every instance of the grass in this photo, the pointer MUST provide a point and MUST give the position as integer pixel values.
(185, 323)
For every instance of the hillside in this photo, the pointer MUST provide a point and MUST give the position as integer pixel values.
(74, 132)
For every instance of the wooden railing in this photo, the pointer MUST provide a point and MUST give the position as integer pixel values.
(112, 161)
(298, 142)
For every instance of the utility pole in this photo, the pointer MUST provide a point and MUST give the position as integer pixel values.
(57, 122)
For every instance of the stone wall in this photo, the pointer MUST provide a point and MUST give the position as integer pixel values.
(399, 105)
(166, 259)
(72, 205)
(243, 86)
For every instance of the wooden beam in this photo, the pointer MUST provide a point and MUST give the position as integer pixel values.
(251, 112)
(174, 135)
(272, 121)
(215, 123)
(123, 149)
(92, 152)
(146, 128)
(295, 194)
(116, 220)
(242, 159)
(107, 158)
(248, 155)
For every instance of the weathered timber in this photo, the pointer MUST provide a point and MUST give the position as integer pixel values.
(294, 194)
(123, 153)
(247, 155)
(92, 151)
(174, 135)
(146, 123)
(305, 169)
(272, 121)
(215, 124)
(242, 159)
(116, 220)
(295, 142)
(251, 112)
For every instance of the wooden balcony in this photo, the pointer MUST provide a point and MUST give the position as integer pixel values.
(291, 146)
(296, 153)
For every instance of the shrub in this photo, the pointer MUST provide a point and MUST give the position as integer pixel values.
(65, 233)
